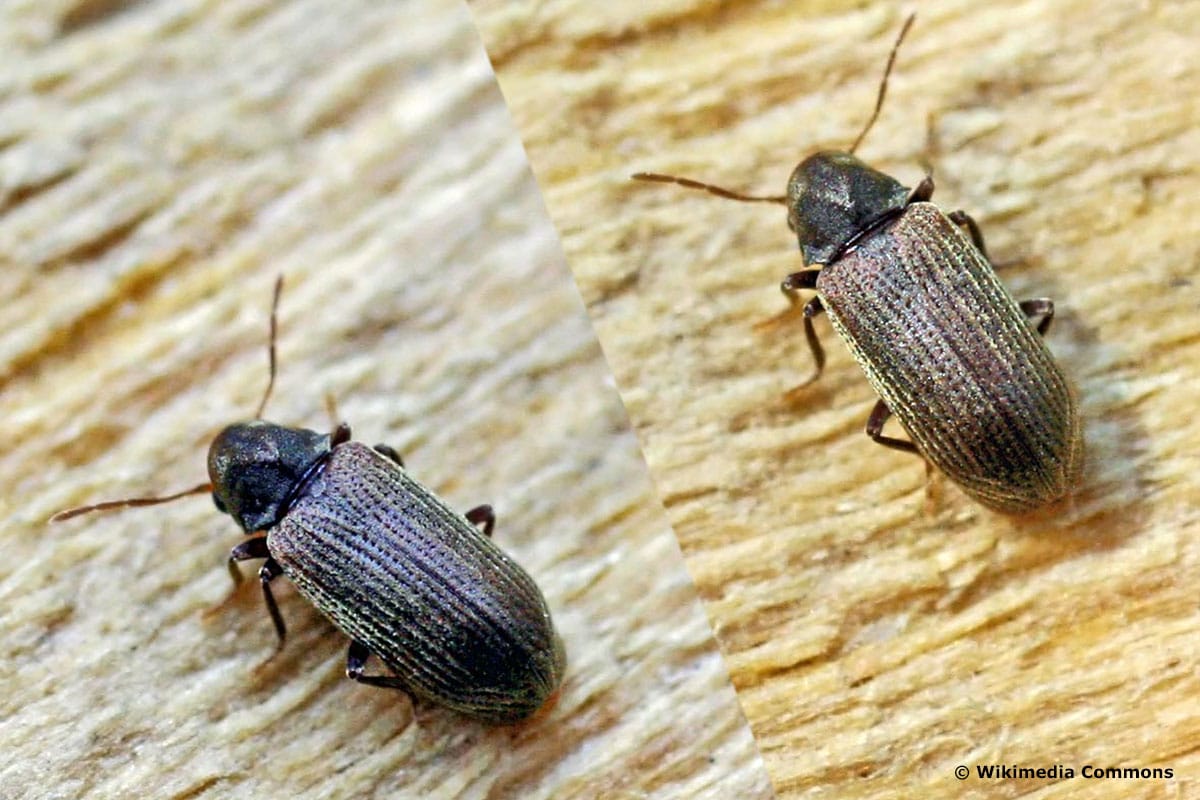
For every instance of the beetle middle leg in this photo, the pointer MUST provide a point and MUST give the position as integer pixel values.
(964, 220)
(875, 422)
(389, 452)
(482, 515)
(356, 663)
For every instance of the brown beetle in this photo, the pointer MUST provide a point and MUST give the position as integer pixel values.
(403, 575)
(949, 351)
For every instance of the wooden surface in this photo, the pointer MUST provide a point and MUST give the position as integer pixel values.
(161, 164)
(879, 637)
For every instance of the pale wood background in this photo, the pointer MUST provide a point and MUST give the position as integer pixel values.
(161, 163)
(879, 638)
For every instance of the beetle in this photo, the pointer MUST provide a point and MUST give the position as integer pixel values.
(950, 353)
(404, 576)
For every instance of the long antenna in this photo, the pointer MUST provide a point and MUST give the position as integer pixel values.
(203, 488)
(883, 84)
(728, 194)
(271, 347)
(133, 501)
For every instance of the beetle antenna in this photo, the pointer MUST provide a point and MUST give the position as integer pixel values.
(883, 83)
(728, 194)
(131, 502)
(271, 347)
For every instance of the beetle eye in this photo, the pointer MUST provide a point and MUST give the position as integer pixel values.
(220, 506)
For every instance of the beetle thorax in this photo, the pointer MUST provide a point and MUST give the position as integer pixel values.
(256, 466)
(833, 198)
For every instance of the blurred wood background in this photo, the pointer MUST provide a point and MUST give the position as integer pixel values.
(880, 637)
(160, 164)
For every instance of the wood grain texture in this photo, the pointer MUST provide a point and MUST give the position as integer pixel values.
(880, 638)
(161, 164)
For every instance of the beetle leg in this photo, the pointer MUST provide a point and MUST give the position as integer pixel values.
(811, 309)
(791, 287)
(880, 415)
(251, 548)
(1043, 306)
(482, 515)
(804, 279)
(964, 220)
(270, 571)
(331, 409)
(389, 452)
(340, 435)
(923, 192)
(356, 662)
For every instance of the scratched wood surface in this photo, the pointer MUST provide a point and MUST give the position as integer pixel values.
(161, 163)
(880, 637)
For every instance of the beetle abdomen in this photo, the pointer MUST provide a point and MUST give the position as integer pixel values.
(457, 620)
(954, 358)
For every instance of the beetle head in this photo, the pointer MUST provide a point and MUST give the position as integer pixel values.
(832, 198)
(254, 467)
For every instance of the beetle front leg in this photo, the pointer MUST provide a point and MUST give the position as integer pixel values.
(269, 571)
(482, 515)
(251, 548)
(356, 662)
(1043, 306)
(879, 416)
(791, 287)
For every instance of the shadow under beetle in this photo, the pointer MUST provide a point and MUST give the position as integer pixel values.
(408, 579)
(945, 346)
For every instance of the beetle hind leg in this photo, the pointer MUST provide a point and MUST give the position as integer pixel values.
(1043, 307)
(356, 663)
(880, 415)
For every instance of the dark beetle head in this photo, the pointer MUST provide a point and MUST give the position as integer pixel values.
(833, 197)
(254, 466)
